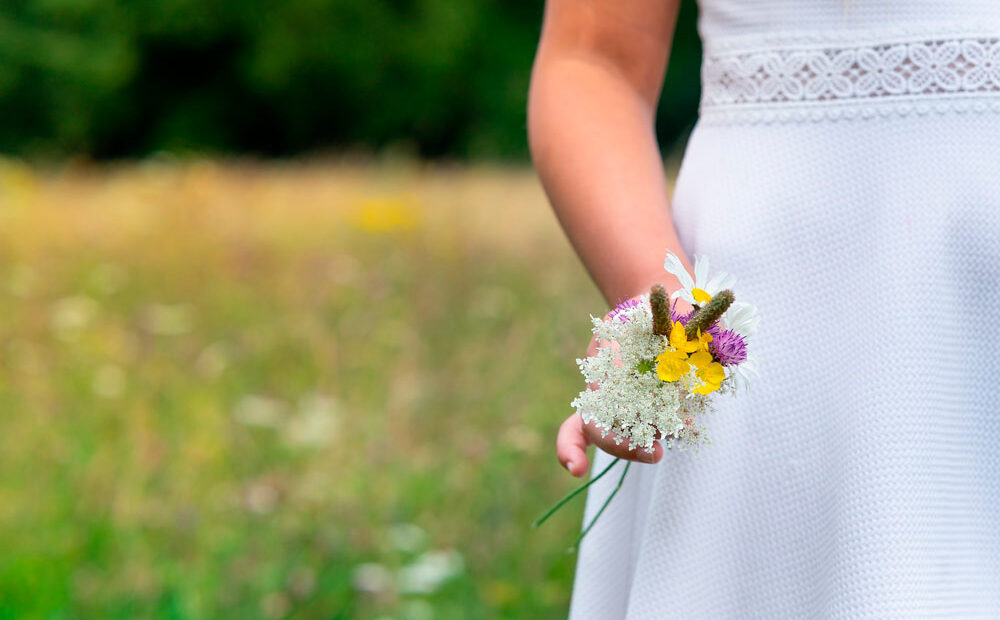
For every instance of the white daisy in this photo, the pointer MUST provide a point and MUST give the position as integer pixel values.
(741, 318)
(700, 288)
(742, 372)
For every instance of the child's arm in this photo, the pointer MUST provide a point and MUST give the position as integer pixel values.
(594, 90)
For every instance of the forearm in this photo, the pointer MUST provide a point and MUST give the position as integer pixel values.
(593, 144)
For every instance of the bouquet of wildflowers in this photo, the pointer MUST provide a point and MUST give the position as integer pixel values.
(659, 370)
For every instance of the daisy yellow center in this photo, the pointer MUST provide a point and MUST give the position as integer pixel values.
(701, 295)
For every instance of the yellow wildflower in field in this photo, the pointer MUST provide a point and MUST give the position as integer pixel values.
(18, 182)
(380, 215)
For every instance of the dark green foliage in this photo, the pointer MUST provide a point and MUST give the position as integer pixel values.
(646, 366)
(709, 313)
(437, 78)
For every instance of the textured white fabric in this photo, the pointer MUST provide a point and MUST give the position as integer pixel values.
(860, 476)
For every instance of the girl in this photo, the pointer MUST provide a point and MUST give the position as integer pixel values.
(846, 167)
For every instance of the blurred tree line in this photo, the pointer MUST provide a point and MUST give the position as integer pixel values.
(440, 78)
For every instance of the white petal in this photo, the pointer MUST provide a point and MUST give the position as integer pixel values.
(673, 265)
(742, 380)
(728, 282)
(742, 318)
(712, 287)
(749, 365)
(734, 315)
(751, 324)
(720, 281)
(684, 294)
(700, 271)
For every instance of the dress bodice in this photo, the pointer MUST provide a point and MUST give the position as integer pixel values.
(780, 60)
(726, 19)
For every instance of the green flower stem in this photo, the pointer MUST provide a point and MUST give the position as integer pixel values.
(605, 505)
(574, 493)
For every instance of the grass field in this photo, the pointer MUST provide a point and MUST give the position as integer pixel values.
(233, 390)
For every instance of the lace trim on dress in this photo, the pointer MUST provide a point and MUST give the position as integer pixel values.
(914, 74)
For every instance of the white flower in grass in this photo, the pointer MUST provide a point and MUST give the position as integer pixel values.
(428, 572)
(699, 289)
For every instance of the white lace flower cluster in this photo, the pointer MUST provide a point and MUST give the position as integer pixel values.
(631, 401)
(654, 386)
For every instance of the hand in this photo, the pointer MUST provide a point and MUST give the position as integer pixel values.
(574, 436)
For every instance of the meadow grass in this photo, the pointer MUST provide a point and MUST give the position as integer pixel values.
(304, 390)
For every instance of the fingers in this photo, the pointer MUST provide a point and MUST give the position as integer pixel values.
(571, 446)
(608, 444)
(574, 437)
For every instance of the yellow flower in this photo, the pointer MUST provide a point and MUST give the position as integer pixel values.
(703, 340)
(388, 214)
(713, 375)
(708, 388)
(678, 339)
(701, 359)
(675, 363)
(672, 365)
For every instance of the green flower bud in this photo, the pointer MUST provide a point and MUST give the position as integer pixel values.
(708, 314)
(661, 310)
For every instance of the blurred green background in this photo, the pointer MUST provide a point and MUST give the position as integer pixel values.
(434, 78)
(287, 324)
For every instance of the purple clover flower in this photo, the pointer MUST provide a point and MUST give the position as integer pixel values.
(727, 346)
(683, 318)
(677, 316)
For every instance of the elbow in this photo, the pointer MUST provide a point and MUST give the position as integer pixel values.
(539, 122)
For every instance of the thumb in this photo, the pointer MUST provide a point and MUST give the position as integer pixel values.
(571, 446)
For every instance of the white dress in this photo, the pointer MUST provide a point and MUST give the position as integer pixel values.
(845, 167)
